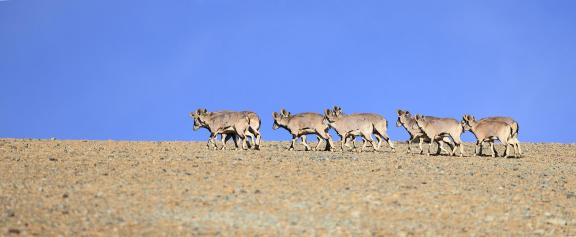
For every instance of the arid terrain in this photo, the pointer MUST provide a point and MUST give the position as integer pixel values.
(116, 188)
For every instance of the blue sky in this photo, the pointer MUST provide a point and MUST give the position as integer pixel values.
(132, 70)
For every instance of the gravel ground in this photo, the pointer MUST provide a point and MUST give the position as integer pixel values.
(111, 188)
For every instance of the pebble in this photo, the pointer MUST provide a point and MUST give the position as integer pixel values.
(489, 218)
(557, 221)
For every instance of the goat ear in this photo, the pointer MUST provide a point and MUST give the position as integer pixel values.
(288, 114)
(204, 111)
(327, 112)
(283, 111)
(400, 112)
(274, 114)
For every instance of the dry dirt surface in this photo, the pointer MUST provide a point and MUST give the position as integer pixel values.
(116, 188)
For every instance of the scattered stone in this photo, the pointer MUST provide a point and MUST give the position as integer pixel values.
(10, 213)
(65, 195)
(489, 218)
(52, 159)
(557, 221)
(14, 231)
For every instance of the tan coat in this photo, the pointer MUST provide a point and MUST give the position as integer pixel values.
(406, 120)
(360, 124)
(239, 124)
(435, 127)
(490, 130)
(302, 124)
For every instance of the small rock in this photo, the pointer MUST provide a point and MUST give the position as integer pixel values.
(539, 232)
(10, 213)
(65, 195)
(257, 191)
(557, 221)
(52, 159)
(14, 231)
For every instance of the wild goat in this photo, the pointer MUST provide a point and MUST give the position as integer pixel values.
(489, 130)
(406, 120)
(510, 121)
(435, 127)
(299, 125)
(240, 124)
(360, 124)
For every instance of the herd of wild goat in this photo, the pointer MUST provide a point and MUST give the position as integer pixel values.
(245, 124)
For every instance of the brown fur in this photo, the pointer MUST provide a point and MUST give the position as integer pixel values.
(360, 124)
(434, 127)
(302, 124)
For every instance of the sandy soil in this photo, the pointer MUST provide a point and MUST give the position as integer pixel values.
(108, 188)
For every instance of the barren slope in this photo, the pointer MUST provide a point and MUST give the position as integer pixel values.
(81, 188)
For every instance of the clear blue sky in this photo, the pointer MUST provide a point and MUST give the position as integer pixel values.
(134, 69)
